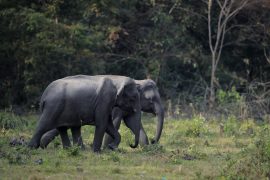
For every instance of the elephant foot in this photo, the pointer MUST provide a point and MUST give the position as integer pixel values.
(43, 144)
(33, 145)
(97, 151)
(153, 141)
(112, 146)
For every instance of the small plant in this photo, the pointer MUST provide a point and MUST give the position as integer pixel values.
(153, 149)
(111, 156)
(19, 155)
(176, 159)
(231, 126)
(73, 151)
(176, 156)
(225, 97)
(247, 127)
(196, 127)
(114, 157)
(194, 152)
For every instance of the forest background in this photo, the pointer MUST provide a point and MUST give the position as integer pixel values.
(211, 57)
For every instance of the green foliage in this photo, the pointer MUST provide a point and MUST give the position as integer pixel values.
(196, 127)
(114, 156)
(231, 126)
(234, 127)
(11, 121)
(18, 155)
(248, 127)
(254, 161)
(152, 149)
(72, 151)
(225, 97)
(165, 40)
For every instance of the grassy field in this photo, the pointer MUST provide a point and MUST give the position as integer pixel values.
(189, 149)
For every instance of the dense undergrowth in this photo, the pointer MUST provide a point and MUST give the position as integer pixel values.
(189, 149)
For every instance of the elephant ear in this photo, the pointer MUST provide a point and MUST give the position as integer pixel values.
(125, 84)
(120, 90)
(149, 89)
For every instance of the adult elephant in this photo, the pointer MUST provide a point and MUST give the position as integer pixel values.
(87, 100)
(150, 102)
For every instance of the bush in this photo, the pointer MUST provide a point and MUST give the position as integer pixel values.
(196, 127)
(225, 97)
(73, 151)
(18, 155)
(247, 127)
(231, 126)
(11, 121)
(153, 149)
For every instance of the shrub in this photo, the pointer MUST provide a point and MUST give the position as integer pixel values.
(247, 127)
(73, 151)
(18, 155)
(69, 152)
(196, 127)
(11, 121)
(231, 126)
(153, 149)
(225, 97)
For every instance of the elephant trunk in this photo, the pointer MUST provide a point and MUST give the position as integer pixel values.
(133, 122)
(159, 111)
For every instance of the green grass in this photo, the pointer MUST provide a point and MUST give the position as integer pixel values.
(189, 149)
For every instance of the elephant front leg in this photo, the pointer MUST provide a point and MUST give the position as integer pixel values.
(99, 133)
(76, 136)
(64, 137)
(114, 136)
(108, 138)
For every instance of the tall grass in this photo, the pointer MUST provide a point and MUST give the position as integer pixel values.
(11, 121)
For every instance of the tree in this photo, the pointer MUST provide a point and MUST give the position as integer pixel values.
(227, 10)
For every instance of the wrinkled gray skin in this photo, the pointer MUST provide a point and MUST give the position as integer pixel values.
(150, 103)
(86, 100)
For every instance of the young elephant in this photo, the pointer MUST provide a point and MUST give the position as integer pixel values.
(86, 100)
(150, 103)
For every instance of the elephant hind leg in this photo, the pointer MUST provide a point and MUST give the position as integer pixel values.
(64, 136)
(76, 136)
(49, 115)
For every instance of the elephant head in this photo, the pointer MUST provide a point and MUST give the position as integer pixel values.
(151, 102)
(128, 99)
